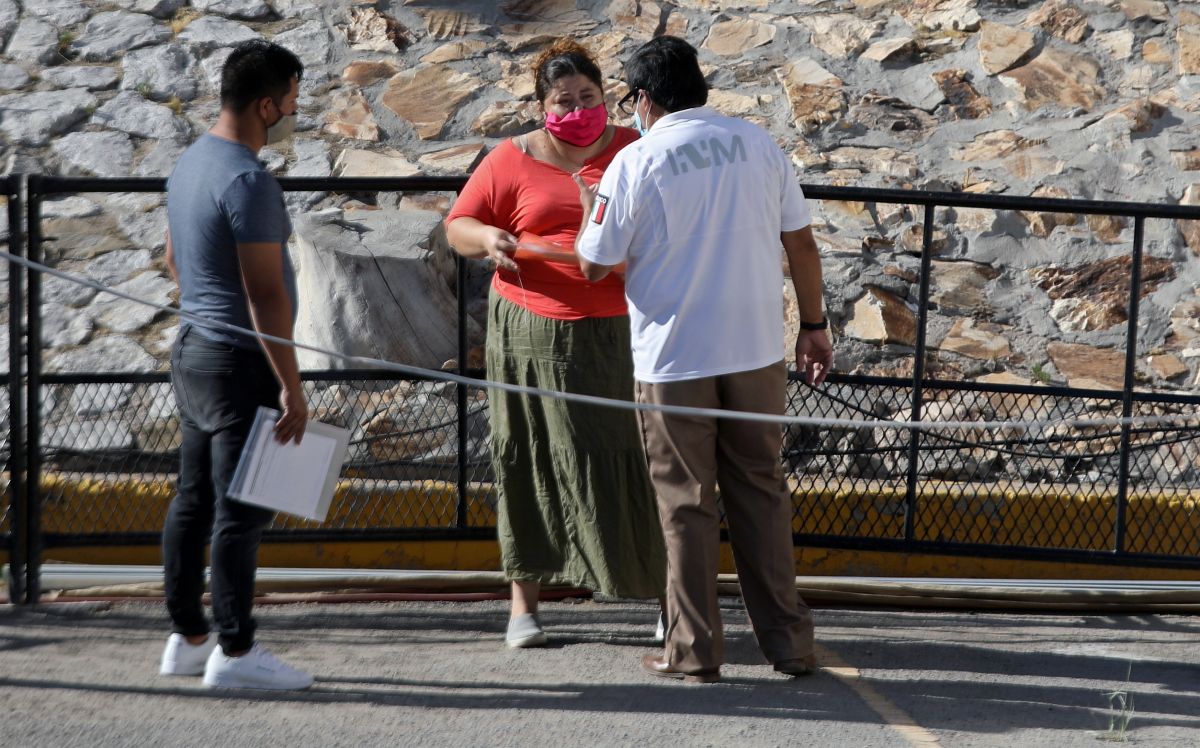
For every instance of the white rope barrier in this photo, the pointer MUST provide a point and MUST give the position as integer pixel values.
(841, 423)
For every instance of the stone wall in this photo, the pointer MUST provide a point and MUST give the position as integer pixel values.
(1064, 99)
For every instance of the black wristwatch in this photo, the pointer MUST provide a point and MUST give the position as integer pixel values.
(822, 325)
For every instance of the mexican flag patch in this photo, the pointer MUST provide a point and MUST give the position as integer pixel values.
(598, 208)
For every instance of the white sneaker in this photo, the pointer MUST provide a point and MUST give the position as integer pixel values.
(258, 668)
(524, 631)
(181, 658)
(660, 630)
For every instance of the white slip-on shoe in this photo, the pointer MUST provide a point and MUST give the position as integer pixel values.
(660, 630)
(181, 658)
(524, 631)
(258, 669)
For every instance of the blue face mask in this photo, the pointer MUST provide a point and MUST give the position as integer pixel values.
(637, 122)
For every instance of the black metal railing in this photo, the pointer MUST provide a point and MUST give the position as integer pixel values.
(16, 533)
(419, 464)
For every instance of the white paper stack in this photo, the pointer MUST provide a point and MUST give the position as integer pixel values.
(294, 478)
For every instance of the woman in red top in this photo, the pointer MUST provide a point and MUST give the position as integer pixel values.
(576, 505)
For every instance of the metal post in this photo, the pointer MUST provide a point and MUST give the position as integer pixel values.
(460, 274)
(33, 400)
(914, 440)
(1135, 287)
(18, 548)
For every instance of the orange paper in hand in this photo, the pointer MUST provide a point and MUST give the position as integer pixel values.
(533, 247)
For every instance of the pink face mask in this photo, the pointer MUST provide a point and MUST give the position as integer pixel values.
(581, 127)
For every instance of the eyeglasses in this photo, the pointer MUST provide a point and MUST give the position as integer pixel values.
(628, 102)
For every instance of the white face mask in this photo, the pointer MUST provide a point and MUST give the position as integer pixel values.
(282, 129)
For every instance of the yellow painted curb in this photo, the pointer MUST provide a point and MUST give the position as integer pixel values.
(1165, 523)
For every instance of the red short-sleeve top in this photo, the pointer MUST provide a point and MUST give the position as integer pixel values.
(513, 191)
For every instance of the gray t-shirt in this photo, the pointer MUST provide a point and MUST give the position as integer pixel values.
(219, 196)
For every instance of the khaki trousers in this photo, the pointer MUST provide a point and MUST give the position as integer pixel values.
(689, 457)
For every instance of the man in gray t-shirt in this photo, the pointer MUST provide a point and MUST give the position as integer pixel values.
(220, 196)
(226, 248)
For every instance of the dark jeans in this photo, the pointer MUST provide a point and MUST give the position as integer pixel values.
(218, 388)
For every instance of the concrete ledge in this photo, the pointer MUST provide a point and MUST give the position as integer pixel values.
(1165, 523)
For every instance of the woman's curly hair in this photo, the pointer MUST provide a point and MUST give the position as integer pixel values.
(562, 58)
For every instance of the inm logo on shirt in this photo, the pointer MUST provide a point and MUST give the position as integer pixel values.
(705, 154)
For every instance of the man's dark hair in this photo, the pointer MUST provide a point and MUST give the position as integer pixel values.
(667, 69)
(256, 70)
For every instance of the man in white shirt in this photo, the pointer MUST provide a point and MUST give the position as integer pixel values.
(697, 210)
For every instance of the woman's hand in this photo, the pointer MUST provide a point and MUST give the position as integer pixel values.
(500, 245)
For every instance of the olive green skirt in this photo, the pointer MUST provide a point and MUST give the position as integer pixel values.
(576, 503)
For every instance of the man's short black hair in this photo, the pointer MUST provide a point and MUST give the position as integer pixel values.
(667, 69)
(256, 70)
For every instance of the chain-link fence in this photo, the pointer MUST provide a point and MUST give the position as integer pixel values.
(417, 465)
(1051, 485)
(110, 456)
(96, 454)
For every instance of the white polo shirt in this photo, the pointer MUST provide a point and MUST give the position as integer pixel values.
(695, 209)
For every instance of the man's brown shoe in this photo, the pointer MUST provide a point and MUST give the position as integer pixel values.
(797, 667)
(659, 666)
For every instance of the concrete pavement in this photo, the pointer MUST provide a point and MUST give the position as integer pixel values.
(436, 673)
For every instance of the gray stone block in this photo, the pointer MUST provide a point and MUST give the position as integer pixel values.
(33, 119)
(129, 112)
(111, 34)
